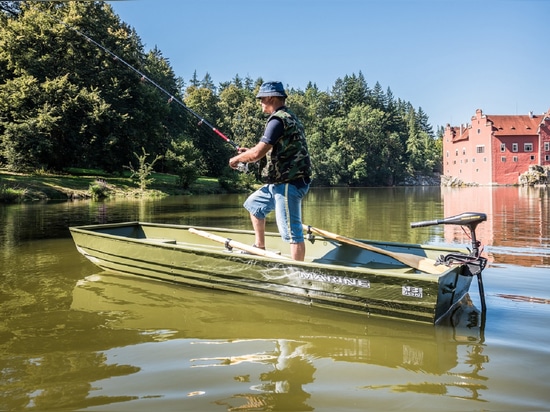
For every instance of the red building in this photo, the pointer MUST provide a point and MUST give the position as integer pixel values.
(496, 149)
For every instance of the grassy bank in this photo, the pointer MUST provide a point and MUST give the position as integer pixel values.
(79, 184)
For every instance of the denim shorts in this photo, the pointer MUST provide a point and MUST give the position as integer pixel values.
(286, 200)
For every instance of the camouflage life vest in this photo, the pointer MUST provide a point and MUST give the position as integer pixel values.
(289, 159)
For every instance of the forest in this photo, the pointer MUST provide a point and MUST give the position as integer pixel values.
(71, 96)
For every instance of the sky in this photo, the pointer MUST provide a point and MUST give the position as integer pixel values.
(448, 57)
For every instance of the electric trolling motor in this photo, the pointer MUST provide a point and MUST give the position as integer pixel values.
(474, 262)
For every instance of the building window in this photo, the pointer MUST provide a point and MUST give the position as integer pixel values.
(528, 147)
(473, 159)
(463, 151)
(515, 159)
(514, 147)
(447, 153)
(502, 147)
(547, 158)
(478, 131)
(503, 159)
(532, 157)
(480, 149)
(547, 146)
(456, 153)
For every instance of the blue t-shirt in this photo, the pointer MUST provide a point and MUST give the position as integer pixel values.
(273, 131)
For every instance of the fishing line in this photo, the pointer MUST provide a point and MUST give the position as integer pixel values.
(144, 77)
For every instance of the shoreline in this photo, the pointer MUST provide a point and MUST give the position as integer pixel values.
(25, 187)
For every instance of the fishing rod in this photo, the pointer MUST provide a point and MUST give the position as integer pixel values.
(144, 77)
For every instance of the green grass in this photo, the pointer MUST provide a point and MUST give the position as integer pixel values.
(11, 195)
(85, 183)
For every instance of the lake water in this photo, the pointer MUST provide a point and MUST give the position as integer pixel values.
(75, 338)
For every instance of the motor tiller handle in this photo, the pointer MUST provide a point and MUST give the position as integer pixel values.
(464, 219)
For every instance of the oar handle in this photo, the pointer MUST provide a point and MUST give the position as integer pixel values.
(232, 243)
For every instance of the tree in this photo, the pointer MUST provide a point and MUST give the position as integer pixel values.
(194, 82)
(67, 99)
(349, 92)
(424, 122)
(377, 97)
(87, 108)
(185, 161)
(374, 152)
(242, 115)
(207, 83)
(215, 151)
(144, 169)
(424, 155)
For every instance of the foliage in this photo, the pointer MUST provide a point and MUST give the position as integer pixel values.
(185, 161)
(144, 169)
(211, 146)
(99, 189)
(66, 103)
(11, 195)
(235, 182)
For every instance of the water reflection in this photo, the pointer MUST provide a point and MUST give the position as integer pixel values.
(518, 221)
(285, 342)
(23, 222)
(85, 342)
(282, 386)
(517, 217)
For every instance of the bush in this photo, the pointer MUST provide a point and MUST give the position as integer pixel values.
(10, 195)
(99, 190)
(233, 181)
(144, 169)
(185, 161)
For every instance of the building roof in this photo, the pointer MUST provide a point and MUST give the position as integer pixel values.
(503, 125)
(460, 133)
(515, 125)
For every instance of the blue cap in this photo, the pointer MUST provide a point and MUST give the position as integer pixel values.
(271, 89)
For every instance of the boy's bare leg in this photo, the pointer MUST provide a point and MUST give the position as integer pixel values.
(298, 251)
(259, 231)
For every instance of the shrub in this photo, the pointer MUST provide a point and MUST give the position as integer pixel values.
(144, 169)
(11, 195)
(99, 189)
(185, 161)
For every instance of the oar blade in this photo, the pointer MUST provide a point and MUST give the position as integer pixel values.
(421, 263)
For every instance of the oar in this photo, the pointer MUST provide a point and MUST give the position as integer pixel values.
(423, 264)
(232, 243)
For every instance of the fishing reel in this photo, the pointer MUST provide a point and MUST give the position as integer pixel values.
(242, 167)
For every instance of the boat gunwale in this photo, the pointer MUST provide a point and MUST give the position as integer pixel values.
(246, 231)
(213, 250)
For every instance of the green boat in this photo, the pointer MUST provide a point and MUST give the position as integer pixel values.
(409, 281)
